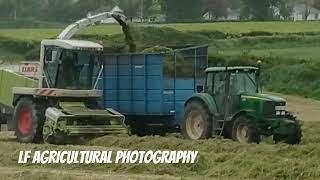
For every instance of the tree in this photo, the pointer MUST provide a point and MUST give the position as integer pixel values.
(130, 7)
(20, 9)
(7, 8)
(57, 10)
(146, 9)
(233, 4)
(182, 10)
(316, 4)
(308, 5)
(286, 8)
(261, 10)
(217, 8)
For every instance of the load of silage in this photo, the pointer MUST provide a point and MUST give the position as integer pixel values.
(158, 49)
(148, 39)
(138, 39)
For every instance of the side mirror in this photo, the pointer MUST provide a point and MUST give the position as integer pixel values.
(199, 89)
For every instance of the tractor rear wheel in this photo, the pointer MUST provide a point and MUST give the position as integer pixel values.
(197, 121)
(29, 118)
(244, 131)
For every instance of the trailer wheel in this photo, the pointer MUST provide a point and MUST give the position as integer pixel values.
(197, 121)
(245, 131)
(138, 129)
(159, 131)
(29, 119)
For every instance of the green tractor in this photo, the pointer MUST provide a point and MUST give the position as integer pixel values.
(233, 106)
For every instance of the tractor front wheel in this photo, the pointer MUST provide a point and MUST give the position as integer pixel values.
(294, 137)
(28, 118)
(245, 131)
(197, 122)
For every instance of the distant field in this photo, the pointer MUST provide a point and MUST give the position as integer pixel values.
(270, 47)
(9, 57)
(29, 34)
(242, 27)
(228, 27)
(307, 53)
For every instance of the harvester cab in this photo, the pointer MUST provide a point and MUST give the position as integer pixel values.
(65, 105)
(233, 106)
(70, 64)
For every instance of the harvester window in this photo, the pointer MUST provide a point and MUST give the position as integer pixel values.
(78, 70)
(52, 56)
(67, 73)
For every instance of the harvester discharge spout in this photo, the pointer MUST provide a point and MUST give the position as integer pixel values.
(72, 29)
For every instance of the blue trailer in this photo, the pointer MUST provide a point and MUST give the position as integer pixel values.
(151, 89)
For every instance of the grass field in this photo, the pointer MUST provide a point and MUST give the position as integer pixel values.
(280, 46)
(242, 27)
(218, 159)
(307, 53)
(12, 57)
(240, 41)
(29, 34)
(229, 27)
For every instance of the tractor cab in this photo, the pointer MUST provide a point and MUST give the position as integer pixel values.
(239, 80)
(228, 84)
(237, 89)
(70, 64)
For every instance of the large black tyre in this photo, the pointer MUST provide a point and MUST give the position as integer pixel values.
(244, 131)
(60, 139)
(197, 121)
(141, 129)
(295, 137)
(159, 131)
(29, 119)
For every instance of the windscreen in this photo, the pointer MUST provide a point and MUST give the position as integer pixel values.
(77, 70)
(243, 82)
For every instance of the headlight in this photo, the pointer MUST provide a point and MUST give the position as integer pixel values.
(280, 110)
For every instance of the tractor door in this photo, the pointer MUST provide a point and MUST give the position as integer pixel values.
(234, 99)
(216, 83)
(241, 81)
